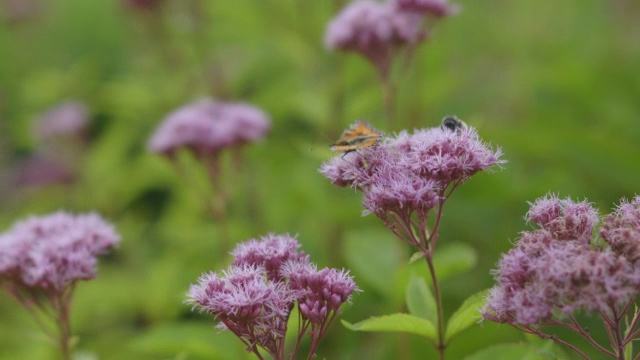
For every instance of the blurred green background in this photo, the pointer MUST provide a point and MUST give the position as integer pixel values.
(556, 84)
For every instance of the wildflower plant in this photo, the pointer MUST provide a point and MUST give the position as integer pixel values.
(206, 128)
(43, 258)
(383, 31)
(255, 296)
(573, 261)
(405, 182)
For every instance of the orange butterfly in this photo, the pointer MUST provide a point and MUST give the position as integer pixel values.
(359, 136)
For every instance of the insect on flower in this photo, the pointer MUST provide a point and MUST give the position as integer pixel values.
(453, 123)
(359, 136)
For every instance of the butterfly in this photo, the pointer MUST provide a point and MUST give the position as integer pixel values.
(359, 136)
(452, 123)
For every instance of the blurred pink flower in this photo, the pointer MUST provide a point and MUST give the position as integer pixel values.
(70, 118)
(206, 127)
(374, 30)
(52, 252)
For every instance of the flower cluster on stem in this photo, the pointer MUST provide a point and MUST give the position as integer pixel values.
(406, 181)
(563, 267)
(206, 128)
(43, 258)
(381, 31)
(254, 297)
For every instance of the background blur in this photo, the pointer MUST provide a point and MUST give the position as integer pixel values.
(556, 84)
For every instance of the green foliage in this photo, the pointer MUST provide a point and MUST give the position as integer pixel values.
(467, 314)
(420, 300)
(405, 323)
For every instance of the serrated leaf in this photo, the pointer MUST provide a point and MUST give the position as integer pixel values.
(420, 300)
(454, 259)
(399, 322)
(467, 314)
(508, 351)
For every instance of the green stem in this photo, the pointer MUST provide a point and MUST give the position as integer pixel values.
(440, 345)
(62, 304)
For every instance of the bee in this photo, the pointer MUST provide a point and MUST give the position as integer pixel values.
(452, 123)
(359, 136)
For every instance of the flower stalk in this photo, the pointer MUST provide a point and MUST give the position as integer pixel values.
(406, 181)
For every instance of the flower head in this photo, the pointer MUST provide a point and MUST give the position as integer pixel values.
(246, 303)
(52, 251)
(206, 127)
(373, 29)
(564, 218)
(254, 297)
(323, 291)
(621, 230)
(271, 252)
(412, 172)
(70, 118)
(555, 270)
(448, 157)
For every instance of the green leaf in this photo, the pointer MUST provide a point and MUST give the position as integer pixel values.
(467, 314)
(420, 301)
(510, 351)
(395, 323)
(415, 257)
(454, 259)
(375, 257)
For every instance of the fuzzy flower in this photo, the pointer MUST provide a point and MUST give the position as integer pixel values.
(206, 127)
(448, 157)
(271, 252)
(374, 30)
(554, 270)
(565, 219)
(324, 290)
(247, 304)
(621, 230)
(53, 251)
(437, 8)
(254, 297)
(70, 118)
(411, 173)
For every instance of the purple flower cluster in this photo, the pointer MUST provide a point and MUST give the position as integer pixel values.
(254, 297)
(412, 172)
(246, 303)
(70, 118)
(52, 252)
(206, 127)
(322, 292)
(621, 230)
(376, 29)
(558, 269)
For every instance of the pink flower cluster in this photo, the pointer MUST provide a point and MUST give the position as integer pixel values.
(558, 269)
(70, 118)
(376, 29)
(51, 252)
(412, 172)
(206, 127)
(254, 297)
